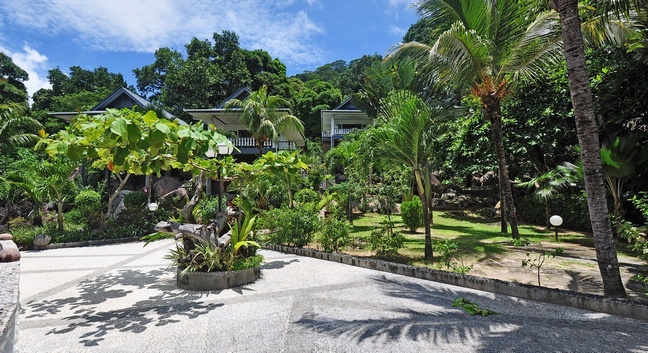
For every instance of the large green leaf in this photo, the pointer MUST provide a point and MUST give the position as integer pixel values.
(120, 127)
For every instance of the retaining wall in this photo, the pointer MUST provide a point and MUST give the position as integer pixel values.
(635, 309)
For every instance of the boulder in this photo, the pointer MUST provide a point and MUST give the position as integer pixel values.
(9, 251)
(166, 185)
(41, 241)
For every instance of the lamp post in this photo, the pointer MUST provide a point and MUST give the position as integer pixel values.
(556, 221)
(152, 207)
(223, 150)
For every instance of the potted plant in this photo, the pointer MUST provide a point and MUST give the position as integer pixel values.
(205, 261)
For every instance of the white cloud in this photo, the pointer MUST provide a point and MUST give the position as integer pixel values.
(34, 63)
(397, 31)
(145, 25)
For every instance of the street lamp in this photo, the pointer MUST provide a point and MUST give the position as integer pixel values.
(556, 221)
(152, 207)
(223, 150)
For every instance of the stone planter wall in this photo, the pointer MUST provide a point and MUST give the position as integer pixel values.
(9, 295)
(206, 281)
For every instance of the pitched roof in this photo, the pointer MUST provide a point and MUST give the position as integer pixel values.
(241, 94)
(346, 105)
(124, 98)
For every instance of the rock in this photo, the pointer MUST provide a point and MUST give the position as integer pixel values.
(118, 202)
(41, 241)
(4, 227)
(166, 185)
(6, 236)
(9, 251)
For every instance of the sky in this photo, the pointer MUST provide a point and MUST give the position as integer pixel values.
(122, 35)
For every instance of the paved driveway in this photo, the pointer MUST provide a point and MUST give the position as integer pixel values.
(120, 298)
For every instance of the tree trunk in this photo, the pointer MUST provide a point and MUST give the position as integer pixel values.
(588, 139)
(429, 255)
(59, 216)
(492, 112)
(112, 197)
(187, 210)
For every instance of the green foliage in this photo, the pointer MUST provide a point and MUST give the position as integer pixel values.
(243, 263)
(471, 308)
(385, 242)
(444, 250)
(87, 209)
(208, 208)
(241, 232)
(294, 227)
(412, 213)
(572, 207)
(537, 259)
(135, 201)
(306, 196)
(334, 234)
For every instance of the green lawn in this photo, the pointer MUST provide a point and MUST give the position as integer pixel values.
(476, 237)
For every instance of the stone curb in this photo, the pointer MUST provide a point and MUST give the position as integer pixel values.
(79, 244)
(630, 308)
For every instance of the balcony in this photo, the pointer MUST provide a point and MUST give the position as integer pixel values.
(327, 134)
(247, 145)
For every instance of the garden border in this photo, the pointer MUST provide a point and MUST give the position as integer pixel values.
(630, 308)
(83, 243)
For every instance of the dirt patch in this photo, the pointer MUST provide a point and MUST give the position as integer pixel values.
(575, 269)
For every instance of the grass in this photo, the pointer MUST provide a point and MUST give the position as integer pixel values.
(477, 238)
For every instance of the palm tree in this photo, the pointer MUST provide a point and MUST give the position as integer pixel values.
(264, 116)
(587, 130)
(13, 125)
(489, 46)
(406, 136)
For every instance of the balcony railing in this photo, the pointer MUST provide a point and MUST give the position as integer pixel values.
(337, 132)
(246, 142)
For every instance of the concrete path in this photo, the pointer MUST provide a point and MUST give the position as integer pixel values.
(120, 298)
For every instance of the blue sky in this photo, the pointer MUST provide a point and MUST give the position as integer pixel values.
(123, 34)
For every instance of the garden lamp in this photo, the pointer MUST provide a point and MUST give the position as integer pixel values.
(152, 207)
(223, 150)
(556, 221)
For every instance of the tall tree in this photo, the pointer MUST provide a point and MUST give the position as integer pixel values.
(581, 94)
(265, 117)
(12, 78)
(489, 46)
(406, 135)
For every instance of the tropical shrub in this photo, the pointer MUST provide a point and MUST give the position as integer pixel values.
(294, 227)
(412, 213)
(87, 210)
(306, 196)
(385, 242)
(334, 234)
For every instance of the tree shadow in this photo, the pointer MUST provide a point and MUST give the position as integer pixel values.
(166, 305)
(277, 265)
(518, 326)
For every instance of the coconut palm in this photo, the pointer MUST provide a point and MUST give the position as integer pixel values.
(489, 46)
(265, 116)
(406, 136)
(14, 126)
(587, 131)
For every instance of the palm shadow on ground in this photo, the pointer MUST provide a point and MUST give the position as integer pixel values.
(166, 305)
(518, 326)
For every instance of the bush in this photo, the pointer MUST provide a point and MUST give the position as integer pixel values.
(412, 213)
(208, 208)
(334, 235)
(294, 226)
(306, 196)
(385, 242)
(571, 207)
(135, 201)
(88, 209)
